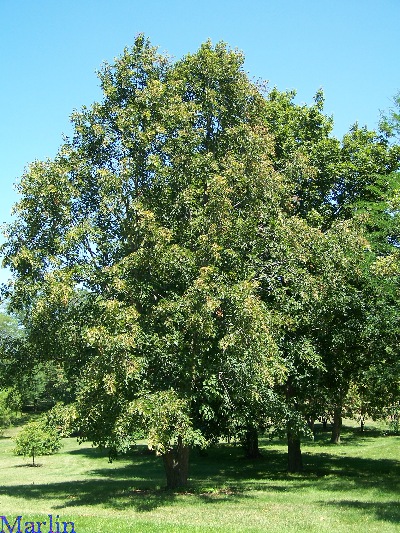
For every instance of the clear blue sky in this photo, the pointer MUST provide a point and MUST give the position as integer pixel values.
(51, 49)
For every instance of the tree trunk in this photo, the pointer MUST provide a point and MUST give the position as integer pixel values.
(311, 424)
(176, 464)
(250, 444)
(295, 460)
(337, 425)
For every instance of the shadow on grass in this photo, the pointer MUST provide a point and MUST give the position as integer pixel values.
(91, 452)
(141, 492)
(97, 451)
(36, 465)
(111, 493)
(388, 511)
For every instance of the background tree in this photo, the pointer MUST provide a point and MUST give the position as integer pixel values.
(332, 182)
(389, 124)
(5, 412)
(32, 384)
(305, 152)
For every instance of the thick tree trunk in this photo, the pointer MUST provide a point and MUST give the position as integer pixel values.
(250, 444)
(176, 464)
(295, 460)
(337, 425)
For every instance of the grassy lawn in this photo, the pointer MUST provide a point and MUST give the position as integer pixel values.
(354, 487)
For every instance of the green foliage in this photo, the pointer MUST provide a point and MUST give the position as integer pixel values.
(304, 151)
(165, 417)
(389, 124)
(393, 419)
(35, 439)
(62, 418)
(5, 412)
(11, 334)
(9, 326)
(14, 400)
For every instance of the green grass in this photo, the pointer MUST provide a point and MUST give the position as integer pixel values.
(354, 487)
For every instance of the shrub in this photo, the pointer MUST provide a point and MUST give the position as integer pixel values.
(37, 438)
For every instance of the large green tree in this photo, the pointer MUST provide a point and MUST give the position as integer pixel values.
(133, 254)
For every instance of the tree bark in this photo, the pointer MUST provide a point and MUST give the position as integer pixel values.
(295, 460)
(337, 425)
(250, 444)
(176, 465)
